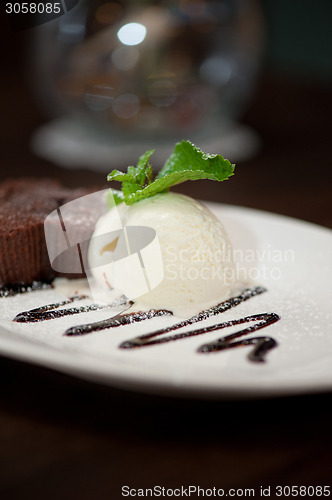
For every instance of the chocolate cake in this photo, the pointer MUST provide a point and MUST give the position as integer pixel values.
(24, 206)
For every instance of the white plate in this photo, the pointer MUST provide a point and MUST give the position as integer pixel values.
(292, 259)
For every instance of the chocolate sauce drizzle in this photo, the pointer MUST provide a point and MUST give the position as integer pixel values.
(11, 290)
(213, 311)
(261, 344)
(118, 320)
(126, 319)
(50, 311)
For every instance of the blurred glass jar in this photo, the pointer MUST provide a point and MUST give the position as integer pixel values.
(163, 70)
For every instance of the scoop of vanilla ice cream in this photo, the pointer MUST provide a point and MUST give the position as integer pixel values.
(195, 249)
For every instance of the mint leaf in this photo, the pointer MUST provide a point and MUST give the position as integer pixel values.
(186, 157)
(187, 162)
(144, 169)
(134, 175)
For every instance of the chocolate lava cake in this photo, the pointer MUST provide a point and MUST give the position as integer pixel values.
(24, 206)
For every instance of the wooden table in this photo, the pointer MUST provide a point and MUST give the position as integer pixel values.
(66, 438)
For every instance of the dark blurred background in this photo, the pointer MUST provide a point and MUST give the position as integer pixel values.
(289, 111)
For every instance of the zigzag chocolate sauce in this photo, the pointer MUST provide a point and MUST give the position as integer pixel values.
(261, 345)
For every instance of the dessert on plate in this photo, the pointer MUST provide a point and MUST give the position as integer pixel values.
(145, 253)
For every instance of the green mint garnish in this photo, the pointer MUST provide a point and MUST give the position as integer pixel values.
(187, 162)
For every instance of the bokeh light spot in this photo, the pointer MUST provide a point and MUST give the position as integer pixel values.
(132, 34)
